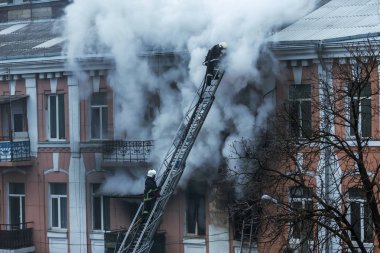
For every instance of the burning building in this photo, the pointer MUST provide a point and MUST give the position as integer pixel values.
(92, 99)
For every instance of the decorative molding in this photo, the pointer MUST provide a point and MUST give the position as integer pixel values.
(53, 170)
(98, 171)
(13, 170)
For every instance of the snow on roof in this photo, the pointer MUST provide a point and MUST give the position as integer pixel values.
(50, 43)
(12, 29)
(334, 20)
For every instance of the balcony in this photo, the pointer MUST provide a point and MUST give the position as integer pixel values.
(113, 240)
(16, 237)
(117, 153)
(15, 153)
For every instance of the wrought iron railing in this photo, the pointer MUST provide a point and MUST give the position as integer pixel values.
(16, 236)
(13, 151)
(113, 239)
(127, 151)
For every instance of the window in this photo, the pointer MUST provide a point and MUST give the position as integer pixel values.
(301, 230)
(58, 205)
(99, 116)
(360, 215)
(195, 213)
(56, 117)
(16, 207)
(18, 122)
(100, 210)
(300, 110)
(360, 109)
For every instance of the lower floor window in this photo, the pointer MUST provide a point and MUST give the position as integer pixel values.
(360, 215)
(16, 204)
(195, 213)
(100, 210)
(58, 205)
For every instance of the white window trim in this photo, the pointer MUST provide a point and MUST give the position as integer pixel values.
(196, 233)
(57, 118)
(348, 114)
(20, 202)
(292, 240)
(102, 229)
(362, 202)
(299, 110)
(56, 196)
(101, 121)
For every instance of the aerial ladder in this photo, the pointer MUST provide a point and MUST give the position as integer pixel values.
(139, 236)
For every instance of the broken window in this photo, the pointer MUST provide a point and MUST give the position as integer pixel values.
(300, 110)
(195, 213)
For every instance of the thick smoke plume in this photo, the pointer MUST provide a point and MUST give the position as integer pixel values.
(127, 30)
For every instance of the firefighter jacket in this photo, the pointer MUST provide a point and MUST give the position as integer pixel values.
(151, 191)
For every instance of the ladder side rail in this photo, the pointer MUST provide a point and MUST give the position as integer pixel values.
(187, 150)
(156, 212)
(181, 134)
(150, 231)
(187, 139)
(132, 227)
(180, 144)
(193, 111)
(184, 122)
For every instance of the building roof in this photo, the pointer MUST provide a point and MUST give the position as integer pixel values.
(336, 20)
(30, 39)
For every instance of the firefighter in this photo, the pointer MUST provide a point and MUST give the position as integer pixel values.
(151, 193)
(212, 60)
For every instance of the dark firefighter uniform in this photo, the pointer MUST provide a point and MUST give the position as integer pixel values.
(151, 193)
(212, 60)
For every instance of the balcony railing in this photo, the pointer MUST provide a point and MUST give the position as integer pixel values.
(16, 236)
(113, 240)
(126, 151)
(13, 151)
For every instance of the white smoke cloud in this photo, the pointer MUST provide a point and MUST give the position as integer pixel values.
(124, 183)
(123, 30)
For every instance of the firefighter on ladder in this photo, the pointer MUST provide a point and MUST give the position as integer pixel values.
(151, 193)
(212, 60)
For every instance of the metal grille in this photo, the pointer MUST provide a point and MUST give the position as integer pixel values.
(12, 151)
(126, 151)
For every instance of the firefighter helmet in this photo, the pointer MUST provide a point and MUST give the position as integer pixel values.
(151, 173)
(223, 45)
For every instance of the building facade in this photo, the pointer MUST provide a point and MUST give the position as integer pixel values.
(57, 147)
(340, 37)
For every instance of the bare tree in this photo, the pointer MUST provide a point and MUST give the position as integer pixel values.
(310, 182)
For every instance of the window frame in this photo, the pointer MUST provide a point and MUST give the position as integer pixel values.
(21, 203)
(60, 126)
(306, 198)
(363, 218)
(59, 198)
(199, 203)
(297, 98)
(359, 99)
(104, 214)
(99, 107)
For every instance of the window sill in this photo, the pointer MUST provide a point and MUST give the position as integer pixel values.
(57, 233)
(97, 235)
(49, 144)
(194, 240)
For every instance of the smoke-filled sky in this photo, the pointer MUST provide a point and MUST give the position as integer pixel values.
(123, 29)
